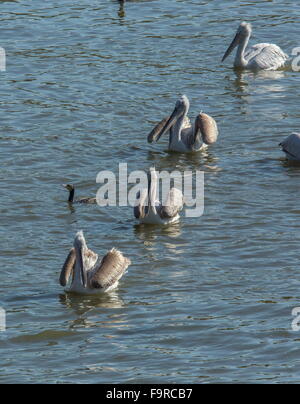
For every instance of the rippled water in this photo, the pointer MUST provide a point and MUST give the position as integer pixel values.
(206, 300)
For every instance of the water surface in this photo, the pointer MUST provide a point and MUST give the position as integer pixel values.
(207, 300)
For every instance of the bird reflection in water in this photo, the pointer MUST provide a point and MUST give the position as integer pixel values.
(89, 313)
(151, 234)
(243, 79)
(121, 12)
(246, 84)
(182, 161)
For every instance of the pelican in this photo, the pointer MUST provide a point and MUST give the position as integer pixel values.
(71, 189)
(184, 137)
(149, 210)
(263, 56)
(291, 146)
(90, 274)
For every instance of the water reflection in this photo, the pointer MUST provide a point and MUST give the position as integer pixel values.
(183, 161)
(243, 79)
(247, 85)
(121, 12)
(81, 304)
(260, 75)
(293, 165)
(239, 85)
(87, 308)
(71, 207)
(150, 234)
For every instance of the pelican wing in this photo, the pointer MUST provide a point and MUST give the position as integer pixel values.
(173, 205)
(208, 128)
(110, 270)
(67, 268)
(157, 130)
(291, 146)
(265, 56)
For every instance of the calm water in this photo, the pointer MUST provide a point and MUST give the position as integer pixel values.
(206, 300)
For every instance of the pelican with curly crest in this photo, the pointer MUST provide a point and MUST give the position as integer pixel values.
(184, 137)
(149, 210)
(91, 274)
(262, 56)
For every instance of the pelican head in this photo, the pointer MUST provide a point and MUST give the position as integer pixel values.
(80, 246)
(79, 241)
(181, 108)
(182, 104)
(244, 30)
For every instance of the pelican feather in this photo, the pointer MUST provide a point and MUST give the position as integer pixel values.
(90, 274)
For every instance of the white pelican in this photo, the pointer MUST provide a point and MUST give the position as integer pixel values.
(263, 56)
(90, 274)
(149, 210)
(291, 146)
(71, 189)
(183, 136)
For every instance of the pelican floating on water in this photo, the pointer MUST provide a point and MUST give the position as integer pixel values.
(90, 274)
(184, 137)
(149, 210)
(291, 146)
(263, 56)
(71, 190)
